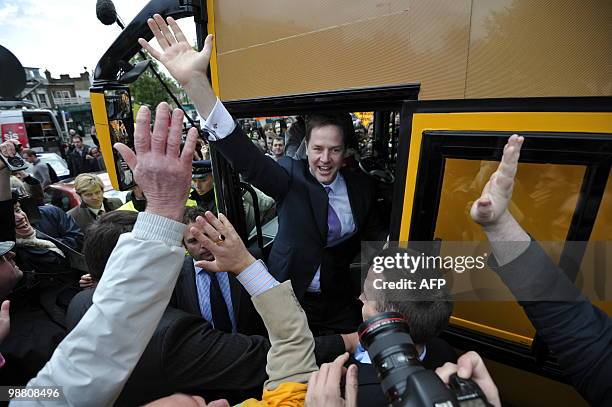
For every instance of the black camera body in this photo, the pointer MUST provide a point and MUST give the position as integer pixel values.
(404, 381)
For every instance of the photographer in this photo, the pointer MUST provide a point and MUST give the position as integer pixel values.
(425, 311)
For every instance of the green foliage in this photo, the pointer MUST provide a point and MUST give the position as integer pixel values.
(147, 90)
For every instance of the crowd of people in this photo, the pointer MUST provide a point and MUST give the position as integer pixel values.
(169, 307)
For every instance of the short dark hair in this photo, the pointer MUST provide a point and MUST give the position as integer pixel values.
(191, 213)
(279, 138)
(77, 136)
(29, 152)
(341, 120)
(427, 311)
(102, 237)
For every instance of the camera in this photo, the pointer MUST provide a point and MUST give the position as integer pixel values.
(405, 382)
(14, 163)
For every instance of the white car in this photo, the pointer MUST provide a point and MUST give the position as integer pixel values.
(55, 161)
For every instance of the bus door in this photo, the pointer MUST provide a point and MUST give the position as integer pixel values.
(562, 197)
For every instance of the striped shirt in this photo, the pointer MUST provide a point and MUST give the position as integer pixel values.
(203, 287)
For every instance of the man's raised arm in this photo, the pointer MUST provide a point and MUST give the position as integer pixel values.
(579, 333)
(189, 68)
(95, 360)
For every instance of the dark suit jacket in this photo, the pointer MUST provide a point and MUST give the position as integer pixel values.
(370, 393)
(185, 298)
(186, 354)
(77, 163)
(300, 244)
(579, 334)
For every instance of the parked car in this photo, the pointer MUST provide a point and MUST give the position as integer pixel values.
(63, 195)
(56, 162)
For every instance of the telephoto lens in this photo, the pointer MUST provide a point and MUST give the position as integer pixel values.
(403, 379)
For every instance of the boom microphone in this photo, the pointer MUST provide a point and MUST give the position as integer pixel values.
(105, 11)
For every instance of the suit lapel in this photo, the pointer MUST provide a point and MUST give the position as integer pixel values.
(189, 286)
(318, 202)
(235, 290)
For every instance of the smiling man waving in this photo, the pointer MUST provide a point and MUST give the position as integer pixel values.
(324, 210)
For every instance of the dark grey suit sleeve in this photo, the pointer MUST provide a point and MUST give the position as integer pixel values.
(196, 356)
(253, 165)
(579, 333)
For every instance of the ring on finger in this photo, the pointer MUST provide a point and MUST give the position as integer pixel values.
(220, 240)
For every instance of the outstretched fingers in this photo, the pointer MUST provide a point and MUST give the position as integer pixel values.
(165, 31)
(189, 147)
(160, 128)
(173, 145)
(176, 30)
(157, 33)
(144, 44)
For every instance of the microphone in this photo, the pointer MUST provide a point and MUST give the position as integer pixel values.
(105, 11)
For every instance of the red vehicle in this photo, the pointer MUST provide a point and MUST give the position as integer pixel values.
(63, 195)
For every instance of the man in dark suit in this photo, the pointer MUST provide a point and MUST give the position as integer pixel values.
(79, 159)
(186, 354)
(217, 297)
(324, 210)
(426, 312)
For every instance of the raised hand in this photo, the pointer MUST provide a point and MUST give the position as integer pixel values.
(221, 239)
(493, 202)
(178, 56)
(161, 170)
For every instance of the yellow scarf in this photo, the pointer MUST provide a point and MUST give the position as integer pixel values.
(288, 394)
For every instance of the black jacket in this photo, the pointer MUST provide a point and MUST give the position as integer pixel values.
(186, 354)
(579, 333)
(300, 244)
(57, 224)
(77, 163)
(185, 298)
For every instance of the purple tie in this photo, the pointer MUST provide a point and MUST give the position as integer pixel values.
(333, 221)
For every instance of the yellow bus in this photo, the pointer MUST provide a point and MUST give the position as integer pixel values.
(445, 82)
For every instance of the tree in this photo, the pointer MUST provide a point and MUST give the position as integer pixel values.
(147, 90)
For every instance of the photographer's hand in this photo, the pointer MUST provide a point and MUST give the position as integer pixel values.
(160, 169)
(471, 366)
(324, 385)
(221, 239)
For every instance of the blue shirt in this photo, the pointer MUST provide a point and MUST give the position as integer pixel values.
(203, 287)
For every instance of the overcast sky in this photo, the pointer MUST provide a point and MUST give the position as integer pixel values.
(64, 36)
